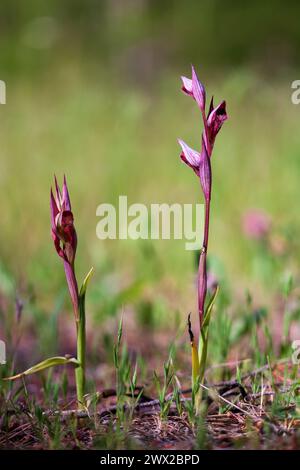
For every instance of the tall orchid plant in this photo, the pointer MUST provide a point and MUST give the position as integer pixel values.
(65, 242)
(200, 162)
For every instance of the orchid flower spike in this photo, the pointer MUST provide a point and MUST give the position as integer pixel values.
(64, 236)
(216, 115)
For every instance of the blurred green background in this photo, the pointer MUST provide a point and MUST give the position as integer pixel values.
(93, 91)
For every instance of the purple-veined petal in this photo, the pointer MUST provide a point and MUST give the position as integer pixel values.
(187, 86)
(189, 156)
(198, 90)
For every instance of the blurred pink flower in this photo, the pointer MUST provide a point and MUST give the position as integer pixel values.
(212, 281)
(256, 224)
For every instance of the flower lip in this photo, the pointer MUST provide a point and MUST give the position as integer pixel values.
(65, 219)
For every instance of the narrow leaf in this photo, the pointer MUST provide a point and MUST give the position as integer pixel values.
(203, 352)
(195, 357)
(209, 308)
(85, 282)
(195, 362)
(50, 362)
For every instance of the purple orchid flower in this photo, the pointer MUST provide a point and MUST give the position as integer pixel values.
(216, 117)
(193, 87)
(65, 237)
(201, 165)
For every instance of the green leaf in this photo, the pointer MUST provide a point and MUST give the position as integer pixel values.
(82, 298)
(50, 362)
(120, 332)
(203, 353)
(85, 283)
(209, 308)
(195, 363)
(203, 340)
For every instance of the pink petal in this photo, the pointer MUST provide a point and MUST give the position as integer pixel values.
(187, 86)
(189, 156)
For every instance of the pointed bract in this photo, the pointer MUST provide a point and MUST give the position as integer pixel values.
(211, 106)
(205, 172)
(198, 90)
(58, 193)
(65, 195)
(53, 210)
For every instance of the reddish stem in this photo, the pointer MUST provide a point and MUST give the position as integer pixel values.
(202, 272)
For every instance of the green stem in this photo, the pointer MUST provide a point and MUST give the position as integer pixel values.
(81, 343)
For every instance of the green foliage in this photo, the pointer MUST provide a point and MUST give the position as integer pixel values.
(162, 388)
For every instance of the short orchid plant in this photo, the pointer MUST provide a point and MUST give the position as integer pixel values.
(65, 242)
(200, 162)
